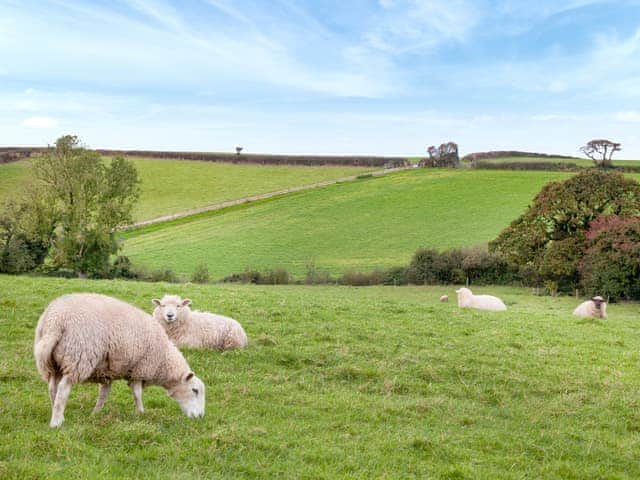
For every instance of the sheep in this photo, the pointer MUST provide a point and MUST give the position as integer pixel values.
(194, 329)
(86, 337)
(594, 308)
(444, 298)
(466, 299)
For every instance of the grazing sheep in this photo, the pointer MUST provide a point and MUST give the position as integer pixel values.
(444, 298)
(594, 308)
(86, 337)
(466, 299)
(194, 329)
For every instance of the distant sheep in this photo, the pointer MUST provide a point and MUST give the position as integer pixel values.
(194, 329)
(85, 337)
(444, 298)
(594, 308)
(466, 299)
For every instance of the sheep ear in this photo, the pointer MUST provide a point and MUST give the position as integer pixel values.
(156, 302)
(188, 377)
(186, 302)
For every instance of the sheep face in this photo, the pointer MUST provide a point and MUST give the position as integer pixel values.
(189, 393)
(464, 297)
(170, 307)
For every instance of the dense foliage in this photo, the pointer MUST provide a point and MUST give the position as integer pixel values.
(549, 238)
(69, 212)
(611, 264)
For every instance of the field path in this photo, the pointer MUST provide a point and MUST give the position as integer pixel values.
(263, 196)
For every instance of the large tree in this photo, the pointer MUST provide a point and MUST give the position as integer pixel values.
(601, 151)
(87, 200)
(549, 237)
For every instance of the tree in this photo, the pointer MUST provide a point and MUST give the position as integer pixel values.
(446, 155)
(601, 151)
(549, 238)
(611, 263)
(83, 201)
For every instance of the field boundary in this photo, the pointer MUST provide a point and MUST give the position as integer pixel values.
(255, 198)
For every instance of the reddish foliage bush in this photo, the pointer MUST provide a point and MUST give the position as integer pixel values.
(611, 264)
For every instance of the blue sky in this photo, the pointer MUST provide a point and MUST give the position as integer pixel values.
(322, 76)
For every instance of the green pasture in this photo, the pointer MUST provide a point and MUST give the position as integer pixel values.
(170, 186)
(340, 382)
(375, 222)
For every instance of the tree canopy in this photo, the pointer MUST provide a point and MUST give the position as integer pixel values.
(73, 207)
(550, 236)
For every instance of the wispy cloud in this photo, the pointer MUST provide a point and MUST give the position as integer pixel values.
(39, 122)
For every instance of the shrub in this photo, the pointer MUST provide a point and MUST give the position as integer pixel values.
(278, 276)
(362, 279)
(611, 264)
(549, 236)
(123, 268)
(395, 276)
(315, 276)
(201, 274)
(164, 275)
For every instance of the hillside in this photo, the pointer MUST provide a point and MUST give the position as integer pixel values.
(343, 383)
(360, 225)
(170, 186)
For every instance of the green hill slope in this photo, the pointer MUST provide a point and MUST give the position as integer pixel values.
(170, 186)
(360, 225)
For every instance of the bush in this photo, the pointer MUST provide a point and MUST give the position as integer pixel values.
(315, 276)
(201, 274)
(278, 276)
(611, 264)
(123, 268)
(362, 279)
(395, 276)
(164, 275)
(549, 236)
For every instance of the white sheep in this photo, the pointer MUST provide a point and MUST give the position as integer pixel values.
(444, 298)
(86, 337)
(594, 308)
(193, 329)
(466, 299)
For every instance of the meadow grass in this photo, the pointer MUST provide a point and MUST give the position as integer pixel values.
(581, 162)
(12, 176)
(376, 222)
(340, 382)
(170, 186)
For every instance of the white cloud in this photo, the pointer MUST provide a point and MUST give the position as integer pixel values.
(39, 122)
(628, 116)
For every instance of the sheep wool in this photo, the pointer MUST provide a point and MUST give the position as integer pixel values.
(193, 329)
(85, 337)
(594, 308)
(466, 299)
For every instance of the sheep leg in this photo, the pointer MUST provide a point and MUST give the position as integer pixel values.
(62, 395)
(136, 389)
(103, 393)
(53, 388)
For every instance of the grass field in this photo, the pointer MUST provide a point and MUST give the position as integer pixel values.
(170, 186)
(341, 382)
(370, 223)
(12, 175)
(582, 162)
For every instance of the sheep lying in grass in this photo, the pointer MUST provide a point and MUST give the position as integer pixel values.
(444, 298)
(85, 337)
(594, 308)
(466, 299)
(194, 329)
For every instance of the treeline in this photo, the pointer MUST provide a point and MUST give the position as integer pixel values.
(263, 159)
